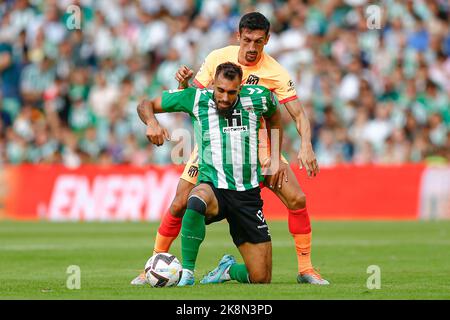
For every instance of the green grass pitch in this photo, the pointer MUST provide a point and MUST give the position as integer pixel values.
(414, 259)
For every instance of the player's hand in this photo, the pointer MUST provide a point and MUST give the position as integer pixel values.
(157, 134)
(183, 75)
(307, 159)
(279, 176)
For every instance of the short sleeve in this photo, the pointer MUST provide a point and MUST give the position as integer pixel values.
(285, 89)
(205, 74)
(271, 103)
(179, 100)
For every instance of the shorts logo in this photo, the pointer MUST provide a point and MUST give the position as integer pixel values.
(193, 171)
(261, 216)
(264, 225)
(252, 79)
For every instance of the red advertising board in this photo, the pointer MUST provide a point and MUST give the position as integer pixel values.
(357, 192)
(89, 193)
(118, 193)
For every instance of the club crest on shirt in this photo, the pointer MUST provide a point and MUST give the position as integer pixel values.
(252, 79)
(234, 122)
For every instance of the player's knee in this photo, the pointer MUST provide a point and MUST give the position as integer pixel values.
(200, 192)
(260, 276)
(297, 202)
(260, 279)
(179, 203)
(178, 206)
(197, 203)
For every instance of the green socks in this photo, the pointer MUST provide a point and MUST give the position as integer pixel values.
(239, 273)
(192, 235)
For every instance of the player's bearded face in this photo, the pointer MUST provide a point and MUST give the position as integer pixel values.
(251, 43)
(226, 94)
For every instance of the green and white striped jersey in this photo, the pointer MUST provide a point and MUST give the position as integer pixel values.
(227, 146)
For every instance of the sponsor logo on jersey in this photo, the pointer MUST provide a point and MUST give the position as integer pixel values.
(234, 129)
(273, 99)
(291, 85)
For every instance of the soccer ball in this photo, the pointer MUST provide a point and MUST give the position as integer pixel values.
(163, 270)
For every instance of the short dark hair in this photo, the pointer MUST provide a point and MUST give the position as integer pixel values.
(229, 70)
(254, 21)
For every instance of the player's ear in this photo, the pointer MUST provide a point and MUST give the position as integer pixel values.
(267, 39)
(238, 36)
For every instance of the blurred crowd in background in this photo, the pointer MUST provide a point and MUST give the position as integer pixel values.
(372, 95)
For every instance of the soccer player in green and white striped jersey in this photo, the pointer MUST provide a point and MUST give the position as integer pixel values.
(226, 123)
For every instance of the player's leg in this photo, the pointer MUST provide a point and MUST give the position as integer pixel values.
(294, 199)
(257, 266)
(251, 236)
(202, 203)
(258, 262)
(170, 224)
(299, 226)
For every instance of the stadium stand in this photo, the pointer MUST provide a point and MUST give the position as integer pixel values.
(372, 95)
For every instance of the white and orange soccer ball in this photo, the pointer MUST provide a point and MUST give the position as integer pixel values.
(163, 270)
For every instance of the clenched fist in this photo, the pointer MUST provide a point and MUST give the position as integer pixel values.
(156, 134)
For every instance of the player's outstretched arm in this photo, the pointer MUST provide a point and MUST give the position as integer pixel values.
(146, 110)
(306, 156)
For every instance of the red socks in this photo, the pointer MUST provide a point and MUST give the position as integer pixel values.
(298, 221)
(170, 226)
(168, 231)
(300, 227)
